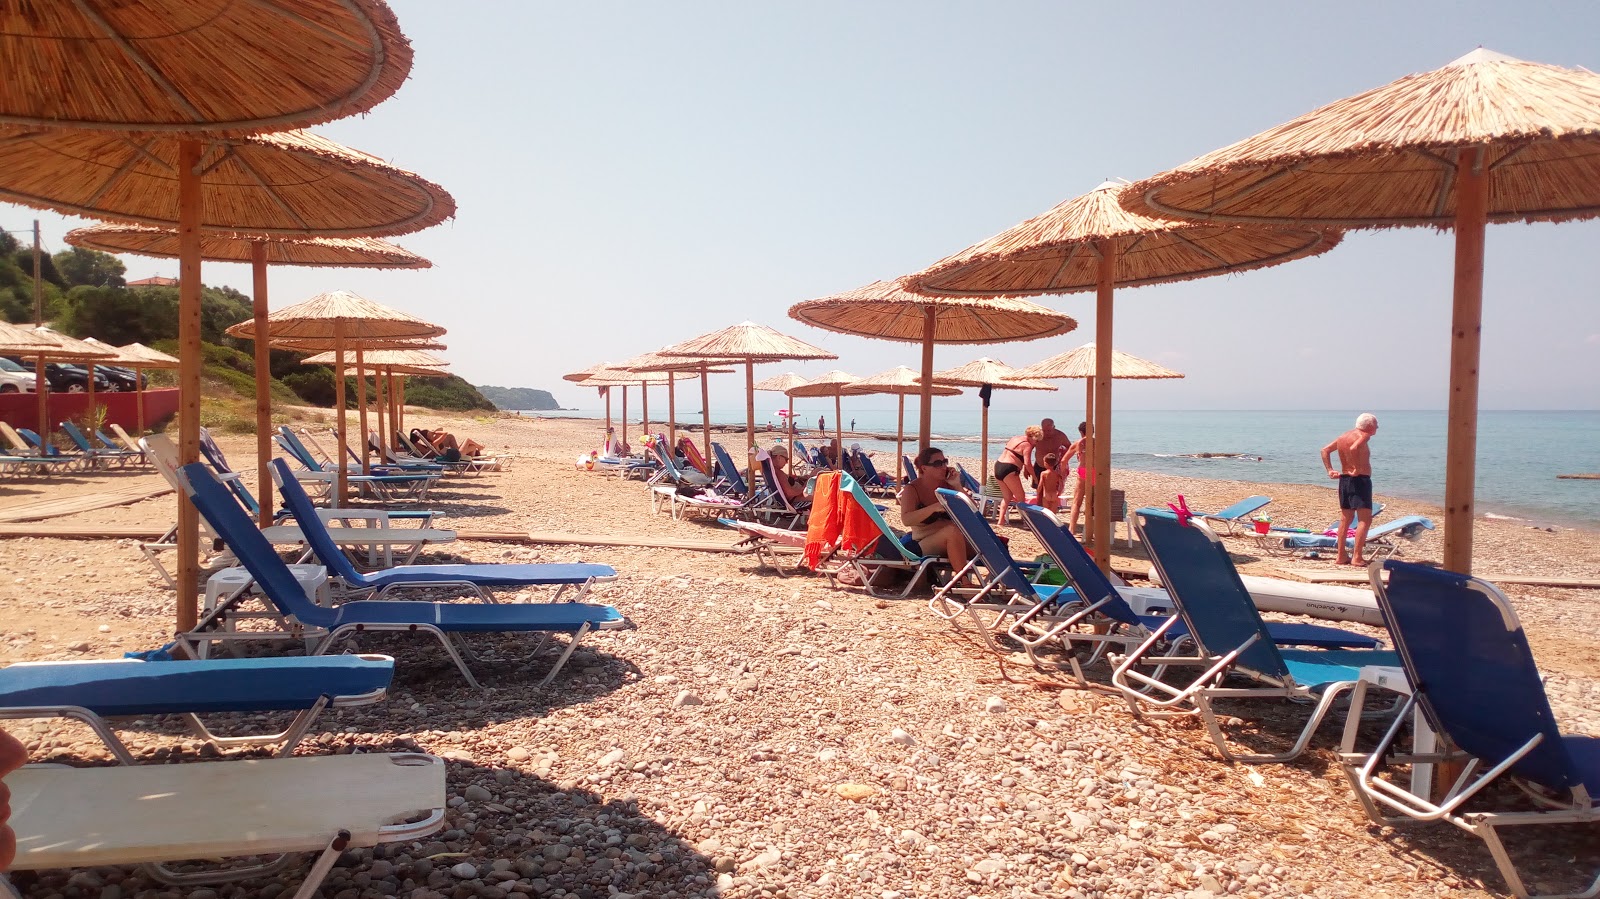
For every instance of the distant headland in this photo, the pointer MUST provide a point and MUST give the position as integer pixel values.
(519, 398)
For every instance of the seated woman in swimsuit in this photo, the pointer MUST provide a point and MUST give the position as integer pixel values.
(1008, 468)
(920, 510)
(794, 489)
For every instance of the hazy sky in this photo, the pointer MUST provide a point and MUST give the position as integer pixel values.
(632, 175)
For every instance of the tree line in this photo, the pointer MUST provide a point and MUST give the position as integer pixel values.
(85, 294)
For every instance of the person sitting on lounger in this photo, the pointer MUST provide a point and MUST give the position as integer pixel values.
(794, 489)
(935, 534)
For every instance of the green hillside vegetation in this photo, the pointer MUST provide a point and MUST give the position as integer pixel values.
(519, 397)
(85, 295)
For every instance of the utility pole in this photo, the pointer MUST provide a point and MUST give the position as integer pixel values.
(38, 287)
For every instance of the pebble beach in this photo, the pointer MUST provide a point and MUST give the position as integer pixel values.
(756, 735)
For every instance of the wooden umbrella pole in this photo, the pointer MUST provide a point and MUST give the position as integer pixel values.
(925, 426)
(900, 439)
(379, 401)
(705, 414)
(624, 439)
(1102, 403)
(791, 426)
(263, 350)
(644, 408)
(838, 430)
(1086, 455)
(138, 399)
(341, 480)
(606, 438)
(41, 392)
(672, 412)
(189, 363)
(983, 472)
(1466, 326)
(400, 403)
(89, 387)
(750, 418)
(361, 406)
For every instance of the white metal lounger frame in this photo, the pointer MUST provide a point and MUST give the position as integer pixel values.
(283, 843)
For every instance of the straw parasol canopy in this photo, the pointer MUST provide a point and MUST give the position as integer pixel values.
(138, 354)
(1091, 242)
(1082, 363)
(188, 65)
(332, 252)
(385, 359)
(1486, 138)
(886, 310)
(582, 374)
(749, 343)
(899, 381)
(340, 314)
(61, 348)
(657, 363)
(349, 321)
(987, 375)
(293, 183)
(20, 341)
(834, 384)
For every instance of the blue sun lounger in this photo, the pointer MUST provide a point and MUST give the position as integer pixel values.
(1381, 540)
(386, 487)
(1231, 640)
(97, 455)
(1471, 671)
(1232, 517)
(326, 627)
(477, 579)
(1103, 617)
(1000, 574)
(93, 691)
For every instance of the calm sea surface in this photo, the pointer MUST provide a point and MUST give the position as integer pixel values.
(1519, 453)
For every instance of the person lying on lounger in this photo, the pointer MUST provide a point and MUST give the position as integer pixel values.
(444, 442)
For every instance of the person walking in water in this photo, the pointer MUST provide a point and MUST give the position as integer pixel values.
(1354, 475)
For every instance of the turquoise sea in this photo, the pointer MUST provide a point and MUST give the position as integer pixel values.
(1519, 453)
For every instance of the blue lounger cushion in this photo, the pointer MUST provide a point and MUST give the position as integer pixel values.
(217, 685)
(560, 617)
(1318, 668)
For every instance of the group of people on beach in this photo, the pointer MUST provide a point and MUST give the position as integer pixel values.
(1045, 454)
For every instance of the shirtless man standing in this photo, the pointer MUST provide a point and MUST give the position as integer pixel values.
(1054, 441)
(1354, 475)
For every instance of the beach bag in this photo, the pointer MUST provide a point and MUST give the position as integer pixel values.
(1048, 573)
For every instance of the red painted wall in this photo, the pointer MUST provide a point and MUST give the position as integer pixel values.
(22, 409)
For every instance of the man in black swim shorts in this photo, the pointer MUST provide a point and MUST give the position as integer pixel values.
(1354, 475)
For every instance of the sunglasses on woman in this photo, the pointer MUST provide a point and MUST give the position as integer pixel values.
(938, 463)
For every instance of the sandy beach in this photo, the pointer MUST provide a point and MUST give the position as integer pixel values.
(757, 735)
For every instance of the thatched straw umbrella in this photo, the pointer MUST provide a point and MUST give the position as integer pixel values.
(898, 381)
(385, 364)
(63, 349)
(1484, 139)
(348, 320)
(335, 252)
(655, 362)
(783, 384)
(160, 65)
(1084, 363)
(1092, 243)
(886, 310)
(987, 375)
(833, 383)
(140, 357)
(175, 65)
(621, 376)
(583, 374)
(749, 343)
(23, 342)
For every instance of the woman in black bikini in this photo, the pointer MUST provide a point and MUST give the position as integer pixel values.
(920, 510)
(1008, 468)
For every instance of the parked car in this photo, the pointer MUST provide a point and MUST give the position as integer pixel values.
(14, 378)
(66, 378)
(122, 378)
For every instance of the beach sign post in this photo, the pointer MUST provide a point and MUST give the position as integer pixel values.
(887, 311)
(1486, 138)
(1091, 243)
